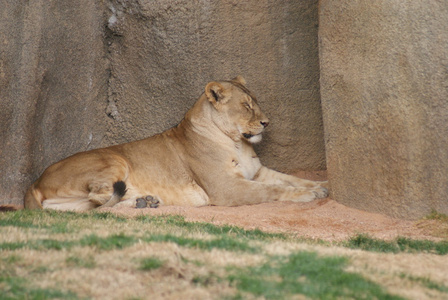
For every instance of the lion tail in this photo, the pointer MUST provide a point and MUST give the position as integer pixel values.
(119, 192)
(10, 207)
(33, 198)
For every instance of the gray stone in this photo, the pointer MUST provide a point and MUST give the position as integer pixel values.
(384, 88)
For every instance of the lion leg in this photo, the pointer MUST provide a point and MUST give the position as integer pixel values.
(247, 192)
(68, 204)
(100, 195)
(269, 176)
(86, 179)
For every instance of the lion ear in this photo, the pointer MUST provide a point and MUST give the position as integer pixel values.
(240, 80)
(214, 92)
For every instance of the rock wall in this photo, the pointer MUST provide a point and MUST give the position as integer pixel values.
(52, 87)
(86, 74)
(384, 89)
(163, 53)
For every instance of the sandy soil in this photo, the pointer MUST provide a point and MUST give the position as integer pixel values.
(320, 219)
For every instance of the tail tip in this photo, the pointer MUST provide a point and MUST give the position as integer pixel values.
(9, 207)
(120, 188)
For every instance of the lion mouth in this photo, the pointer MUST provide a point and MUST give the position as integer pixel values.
(252, 138)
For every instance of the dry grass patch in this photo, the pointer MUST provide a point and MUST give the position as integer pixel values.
(435, 224)
(412, 276)
(54, 255)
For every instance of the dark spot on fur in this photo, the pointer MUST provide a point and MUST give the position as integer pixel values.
(120, 188)
(215, 95)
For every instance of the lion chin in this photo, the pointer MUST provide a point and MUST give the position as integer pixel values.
(253, 139)
(199, 162)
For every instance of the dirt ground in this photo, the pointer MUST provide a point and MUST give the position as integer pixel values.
(323, 219)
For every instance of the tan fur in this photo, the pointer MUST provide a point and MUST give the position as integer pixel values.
(208, 159)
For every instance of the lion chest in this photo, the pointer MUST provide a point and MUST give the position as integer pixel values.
(246, 163)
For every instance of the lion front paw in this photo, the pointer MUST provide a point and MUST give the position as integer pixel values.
(306, 197)
(140, 203)
(298, 195)
(320, 192)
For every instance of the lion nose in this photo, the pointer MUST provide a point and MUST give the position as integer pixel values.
(264, 123)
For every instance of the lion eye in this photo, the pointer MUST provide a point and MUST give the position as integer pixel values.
(248, 106)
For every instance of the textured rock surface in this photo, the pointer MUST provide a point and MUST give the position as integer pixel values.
(85, 74)
(384, 88)
(163, 53)
(52, 87)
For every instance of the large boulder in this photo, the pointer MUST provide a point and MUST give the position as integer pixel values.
(384, 89)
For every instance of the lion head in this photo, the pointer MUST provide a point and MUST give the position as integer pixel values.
(236, 111)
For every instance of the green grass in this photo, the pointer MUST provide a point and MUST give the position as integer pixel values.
(51, 221)
(106, 216)
(435, 224)
(17, 223)
(227, 237)
(11, 259)
(24, 219)
(434, 215)
(203, 227)
(12, 245)
(400, 244)
(51, 244)
(61, 227)
(115, 241)
(150, 263)
(307, 274)
(207, 280)
(223, 243)
(44, 244)
(48, 219)
(15, 288)
(246, 267)
(75, 261)
(426, 282)
(120, 241)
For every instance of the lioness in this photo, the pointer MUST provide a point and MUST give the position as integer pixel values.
(208, 159)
